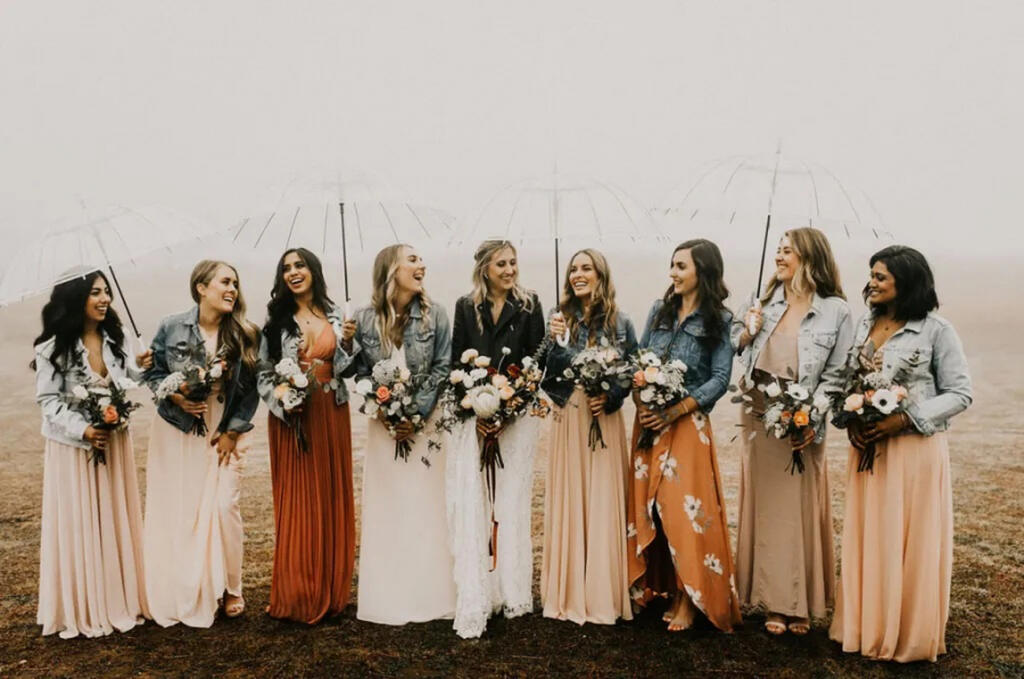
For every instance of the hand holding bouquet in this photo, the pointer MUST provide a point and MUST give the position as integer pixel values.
(106, 407)
(869, 397)
(658, 386)
(388, 396)
(195, 382)
(596, 369)
(790, 411)
(292, 387)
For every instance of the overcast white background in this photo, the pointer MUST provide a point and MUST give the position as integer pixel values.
(202, 105)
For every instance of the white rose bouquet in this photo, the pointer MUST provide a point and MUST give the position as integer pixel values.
(195, 382)
(597, 369)
(105, 407)
(388, 396)
(292, 387)
(658, 385)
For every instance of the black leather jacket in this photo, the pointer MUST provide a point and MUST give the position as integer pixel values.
(520, 330)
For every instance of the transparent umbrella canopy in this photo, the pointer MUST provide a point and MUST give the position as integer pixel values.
(339, 218)
(71, 247)
(559, 207)
(751, 193)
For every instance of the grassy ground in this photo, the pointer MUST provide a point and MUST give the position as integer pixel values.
(985, 635)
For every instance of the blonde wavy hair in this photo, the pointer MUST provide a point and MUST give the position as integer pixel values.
(481, 260)
(237, 337)
(602, 307)
(817, 271)
(391, 324)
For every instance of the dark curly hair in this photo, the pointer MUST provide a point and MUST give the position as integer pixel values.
(915, 284)
(282, 305)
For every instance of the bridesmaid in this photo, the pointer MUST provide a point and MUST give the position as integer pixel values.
(784, 554)
(314, 508)
(584, 569)
(193, 529)
(90, 552)
(898, 533)
(497, 316)
(405, 560)
(678, 535)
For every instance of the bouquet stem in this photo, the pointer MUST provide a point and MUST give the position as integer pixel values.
(595, 435)
(866, 462)
(402, 449)
(796, 464)
(295, 420)
(646, 440)
(490, 461)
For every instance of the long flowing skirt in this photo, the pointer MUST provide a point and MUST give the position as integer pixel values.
(678, 534)
(784, 551)
(482, 591)
(193, 528)
(314, 513)
(897, 560)
(584, 573)
(90, 552)
(405, 559)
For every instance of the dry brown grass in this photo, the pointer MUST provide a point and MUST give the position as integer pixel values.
(985, 633)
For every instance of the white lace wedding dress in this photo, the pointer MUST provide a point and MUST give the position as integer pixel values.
(481, 592)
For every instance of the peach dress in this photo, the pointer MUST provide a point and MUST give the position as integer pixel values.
(90, 549)
(897, 557)
(584, 571)
(314, 508)
(193, 527)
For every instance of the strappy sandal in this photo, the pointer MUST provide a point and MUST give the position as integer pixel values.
(234, 608)
(775, 624)
(799, 626)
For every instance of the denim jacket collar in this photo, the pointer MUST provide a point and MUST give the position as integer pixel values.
(779, 297)
(414, 308)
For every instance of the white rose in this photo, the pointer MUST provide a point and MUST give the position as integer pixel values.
(370, 408)
(773, 390)
(103, 402)
(216, 371)
(468, 380)
(678, 365)
(527, 363)
(80, 392)
(485, 400)
(404, 374)
(468, 355)
(647, 394)
(291, 399)
(797, 392)
(499, 381)
(478, 373)
(482, 361)
(457, 376)
(300, 381)
(364, 387)
(286, 367)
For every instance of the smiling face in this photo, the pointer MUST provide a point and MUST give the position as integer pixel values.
(98, 301)
(683, 273)
(296, 274)
(787, 260)
(503, 270)
(881, 285)
(221, 293)
(583, 276)
(411, 271)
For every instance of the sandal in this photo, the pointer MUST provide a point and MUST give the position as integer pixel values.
(799, 626)
(235, 608)
(775, 624)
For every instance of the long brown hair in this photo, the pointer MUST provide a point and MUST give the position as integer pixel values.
(602, 309)
(238, 338)
(711, 290)
(817, 271)
(481, 260)
(391, 324)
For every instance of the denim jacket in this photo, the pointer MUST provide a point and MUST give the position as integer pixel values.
(428, 350)
(176, 341)
(290, 349)
(559, 358)
(935, 368)
(61, 422)
(826, 335)
(707, 371)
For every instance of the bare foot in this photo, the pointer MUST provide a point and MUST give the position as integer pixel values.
(775, 624)
(685, 614)
(799, 626)
(672, 610)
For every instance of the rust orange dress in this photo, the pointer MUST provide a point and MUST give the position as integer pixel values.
(677, 537)
(314, 509)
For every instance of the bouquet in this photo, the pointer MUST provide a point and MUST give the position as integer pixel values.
(195, 382)
(789, 409)
(870, 395)
(388, 396)
(658, 385)
(105, 407)
(292, 387)
(596, 369)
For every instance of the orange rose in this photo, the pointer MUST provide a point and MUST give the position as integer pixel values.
(801, 419)
(639, 380)
(110, 415)
(786, 416)
(383, 394)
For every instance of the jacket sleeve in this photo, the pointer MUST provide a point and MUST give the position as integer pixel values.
(645, 339)
(618, 393)
(952, 384)
(54, 403)
(247, 398)
(357, 366)
(265, 381)
(131, 368)
(737, 326)
(707, 394)
(535, 329)
(460, 339)
(440, 367)
(159, 370)
(558, 358)
(831, 381)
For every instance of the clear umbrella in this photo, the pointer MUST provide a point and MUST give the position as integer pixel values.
(118, 236)
(339, 217)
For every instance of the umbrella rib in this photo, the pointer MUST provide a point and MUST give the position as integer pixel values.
(415, 216)
(593, 210)
(732, 175)
(323, 239)
(260, 237)
(241, 227)
(842, 188)
(814, 188)
(387, 216)
(714, 165)
(359, 226)
(291, 229)
(622, 205)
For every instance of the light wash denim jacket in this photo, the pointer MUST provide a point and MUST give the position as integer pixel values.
(428, 350)
(559, 358)
(178, 342)
(61, 422)
(290, 349)
(824, 340)
(935, 368)
(707, 371)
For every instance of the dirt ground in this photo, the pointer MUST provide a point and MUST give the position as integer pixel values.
(985, 635)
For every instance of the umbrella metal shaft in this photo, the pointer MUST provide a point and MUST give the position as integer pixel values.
(124, 301)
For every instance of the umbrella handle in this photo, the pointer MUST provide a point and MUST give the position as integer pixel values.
(142, 344)
(751, 325)
(348, 310)
(563, 339)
